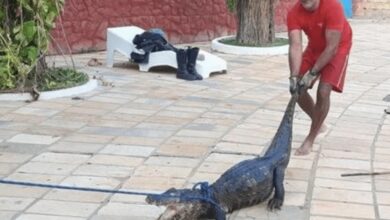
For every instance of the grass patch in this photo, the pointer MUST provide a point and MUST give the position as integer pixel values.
(52, 79)
(61, 78)
(233, 42)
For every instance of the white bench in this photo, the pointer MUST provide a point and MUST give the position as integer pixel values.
(120, 39)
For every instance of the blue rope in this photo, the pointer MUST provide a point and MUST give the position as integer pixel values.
(205, 190)
(204, 187)
(43, 185)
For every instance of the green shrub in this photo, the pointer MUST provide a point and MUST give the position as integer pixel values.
(231, 4)
(24, 39)
(61, 78)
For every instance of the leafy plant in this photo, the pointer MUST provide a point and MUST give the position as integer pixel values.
(60, 78)
(24, 39)
(231, 4)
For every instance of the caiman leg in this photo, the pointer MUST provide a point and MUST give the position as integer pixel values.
(277, 201)
(220, 216)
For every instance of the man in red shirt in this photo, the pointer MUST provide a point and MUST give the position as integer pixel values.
(325, 58)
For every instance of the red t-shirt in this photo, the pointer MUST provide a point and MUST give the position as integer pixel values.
(329, 15)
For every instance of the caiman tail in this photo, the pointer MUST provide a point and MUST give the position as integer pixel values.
(283, 136)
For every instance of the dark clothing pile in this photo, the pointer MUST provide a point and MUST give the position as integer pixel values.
(148, 42)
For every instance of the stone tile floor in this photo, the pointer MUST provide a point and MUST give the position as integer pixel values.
(150, 131)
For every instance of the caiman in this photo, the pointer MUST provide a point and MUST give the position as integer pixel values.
(247, 183)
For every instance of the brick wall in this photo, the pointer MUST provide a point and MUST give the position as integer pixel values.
(371, 8)
(84, 23)
(281, 10)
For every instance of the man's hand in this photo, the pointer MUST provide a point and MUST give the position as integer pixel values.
(308, 79)
(293, 84)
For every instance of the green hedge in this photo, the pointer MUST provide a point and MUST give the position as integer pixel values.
(24, 39)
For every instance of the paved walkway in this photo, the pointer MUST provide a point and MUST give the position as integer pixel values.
(150, 132)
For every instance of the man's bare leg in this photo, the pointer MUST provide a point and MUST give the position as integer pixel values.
(307, 105)
(317, 113)
(323, 128)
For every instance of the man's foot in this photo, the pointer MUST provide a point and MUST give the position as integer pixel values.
(305, 148)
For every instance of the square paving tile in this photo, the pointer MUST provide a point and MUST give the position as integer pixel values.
(53, 207)
(33, 139)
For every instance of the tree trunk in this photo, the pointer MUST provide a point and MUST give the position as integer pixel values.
(255, 22)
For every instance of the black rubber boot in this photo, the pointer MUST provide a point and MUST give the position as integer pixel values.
(182, 73)
(192, 54)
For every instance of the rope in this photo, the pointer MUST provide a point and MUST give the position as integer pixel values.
(204, 188)
(44, 185)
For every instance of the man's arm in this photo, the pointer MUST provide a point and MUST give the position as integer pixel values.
(295, 51)
(332, 44)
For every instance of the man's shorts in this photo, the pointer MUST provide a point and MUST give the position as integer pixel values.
(333, 73)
